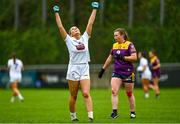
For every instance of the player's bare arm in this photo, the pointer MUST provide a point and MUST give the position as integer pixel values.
(95, 6)
(105, 66)
(131, 58)
(59, 22)
(108, 62)
(91, 22)
(157, 66)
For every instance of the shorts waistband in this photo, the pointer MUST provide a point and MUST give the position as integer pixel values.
(78, 63)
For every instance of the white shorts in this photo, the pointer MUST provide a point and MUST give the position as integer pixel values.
(146, 76)
(77, 72)
(15, 79)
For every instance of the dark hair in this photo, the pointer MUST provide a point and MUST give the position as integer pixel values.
(143, 54)
(122, 31)
(13, 55)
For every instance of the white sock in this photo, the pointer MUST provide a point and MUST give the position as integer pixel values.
(146, 95)
(114, 102)
(13, 98)
(90, 114)
(73, 115)
(20, 96)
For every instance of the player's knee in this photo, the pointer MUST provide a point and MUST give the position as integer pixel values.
(86, 95)
(74, 97)
(129, 94)
(15, 94)
(114, 93)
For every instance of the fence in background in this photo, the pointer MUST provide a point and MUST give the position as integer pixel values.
(42, 76)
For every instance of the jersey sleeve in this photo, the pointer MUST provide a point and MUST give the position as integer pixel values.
(132, 48)
(8, 63)
(21, 64)
(139, 68)
(85, 36)
(111, 52)
(157, 61)
(68, 38)
(68, 41)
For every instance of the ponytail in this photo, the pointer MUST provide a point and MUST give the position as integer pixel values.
(14, 60)
(14, 57)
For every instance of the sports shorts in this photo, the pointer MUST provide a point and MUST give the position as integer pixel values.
(125, 78)
(15, 78)
(77, 72)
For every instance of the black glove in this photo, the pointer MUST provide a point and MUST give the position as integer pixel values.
(101, 73)
(120, 57)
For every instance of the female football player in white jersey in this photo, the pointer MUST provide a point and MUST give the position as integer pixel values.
(78, 68)
(15, 66)
(146, 76)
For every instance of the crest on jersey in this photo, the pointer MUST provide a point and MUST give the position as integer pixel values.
(118, 51)
(80, 46)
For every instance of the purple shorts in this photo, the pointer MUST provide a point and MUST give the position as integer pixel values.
(156, 74)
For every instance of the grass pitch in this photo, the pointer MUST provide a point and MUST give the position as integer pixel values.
(51, 106)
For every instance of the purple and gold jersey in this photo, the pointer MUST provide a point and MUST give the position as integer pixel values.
(125, 49)
(154, 62)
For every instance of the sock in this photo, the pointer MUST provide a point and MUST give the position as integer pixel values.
(90, 114)
(133, 113)
(115, 111)
(20, 96)
(157, 96)
(73, 115)
(146, 95)
(13, 98)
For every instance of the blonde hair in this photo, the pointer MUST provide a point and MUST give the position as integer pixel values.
(71, 29)
(122, 31)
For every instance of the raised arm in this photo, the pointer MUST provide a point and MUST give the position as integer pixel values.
(59, 22)
(95, 6)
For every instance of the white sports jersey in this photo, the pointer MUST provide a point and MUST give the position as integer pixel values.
(146, 73)
(15, 69)
(78, 49)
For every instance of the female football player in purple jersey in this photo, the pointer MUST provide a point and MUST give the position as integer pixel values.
(156, 71)
(124, 54)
